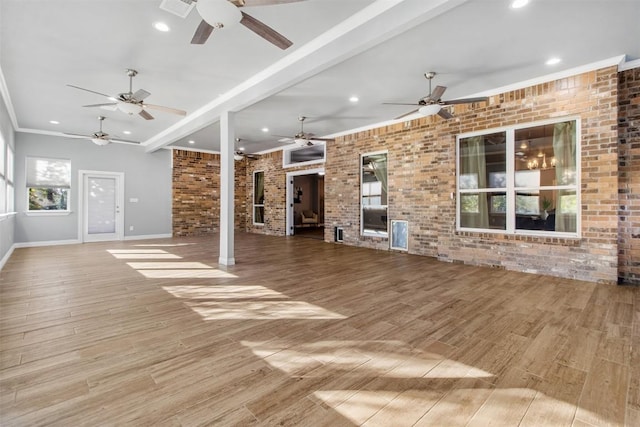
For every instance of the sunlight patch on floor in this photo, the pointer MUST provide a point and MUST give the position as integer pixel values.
(185, 274)
(461, 406)
(261, 310)
(389, 359)
(179, 270)
(223, 292)
(163, 245)
(142, 254)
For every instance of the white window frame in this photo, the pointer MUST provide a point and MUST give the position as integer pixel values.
(52, 212)
(360, 190)
(286, 156)
(253, 199)
(510, 189)
(3, 180)
(10, 180)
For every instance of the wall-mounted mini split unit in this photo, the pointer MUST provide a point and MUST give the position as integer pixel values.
(338, 234)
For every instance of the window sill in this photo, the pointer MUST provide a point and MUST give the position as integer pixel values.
(6, 215)
(547, 238)
(49, 213)
(373, 234)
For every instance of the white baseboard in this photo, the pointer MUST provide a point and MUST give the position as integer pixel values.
(6, 257)
(47, 243)
(149, 236)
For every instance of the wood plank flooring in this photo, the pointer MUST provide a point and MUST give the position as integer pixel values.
(306, 333)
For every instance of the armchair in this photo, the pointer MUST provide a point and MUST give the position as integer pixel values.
(309, 218)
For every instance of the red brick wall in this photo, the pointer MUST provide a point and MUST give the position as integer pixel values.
(196, 193)
(629, 176)
(421, 180)
(275, 193)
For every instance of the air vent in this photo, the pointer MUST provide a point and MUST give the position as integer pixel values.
(177, 7)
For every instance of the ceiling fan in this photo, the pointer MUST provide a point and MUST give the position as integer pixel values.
(432, 103)
(302, 138)
(100, 137)
(217, 14)
(131, 102)
(239, 153)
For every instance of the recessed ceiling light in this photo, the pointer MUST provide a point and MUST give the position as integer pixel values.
(354, 99)
(517, 4)
(126, 132)
(241, 148)
(191, 141)
(54, 122)
(161, 26)
(265, 129)
(553, 61)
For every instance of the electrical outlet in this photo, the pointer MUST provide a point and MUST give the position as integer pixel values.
(131, 228)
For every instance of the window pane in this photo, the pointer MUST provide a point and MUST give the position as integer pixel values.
(375, 219)
(474, 210)
(3, 196)
(10, 165)
(258, 197)
(374, 193)
(48, 199)
(258, 214)
(48, 172)
(498, 211)
(483, 161)
(551, 210)
(549, 149)
(10, 198)
(3, 149)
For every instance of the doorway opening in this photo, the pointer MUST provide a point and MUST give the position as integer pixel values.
(305, 203)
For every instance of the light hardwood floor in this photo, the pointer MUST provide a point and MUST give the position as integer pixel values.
(302, 332)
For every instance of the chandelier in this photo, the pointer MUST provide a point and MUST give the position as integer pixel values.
(533, 164)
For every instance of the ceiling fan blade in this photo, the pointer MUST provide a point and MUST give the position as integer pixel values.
(202, 33)
(241, 3)
(322, 139)
(436, 93)
(89, 90)
(264, 31)
(123, 141)
(399, 103)
(406, 114)
(165, 109)
(145, 115)
(139, 95)
(109, 104)
(445, 114)
(466, 100)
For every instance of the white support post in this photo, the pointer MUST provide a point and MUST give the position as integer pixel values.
(227, 183)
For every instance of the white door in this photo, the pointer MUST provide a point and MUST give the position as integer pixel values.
(102, 202)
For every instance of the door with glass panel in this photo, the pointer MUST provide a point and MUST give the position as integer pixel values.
(102, 204)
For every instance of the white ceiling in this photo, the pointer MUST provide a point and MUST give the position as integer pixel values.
(375, 49)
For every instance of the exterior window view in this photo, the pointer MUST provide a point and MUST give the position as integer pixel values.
(320, 213)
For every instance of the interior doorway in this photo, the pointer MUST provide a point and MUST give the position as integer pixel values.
(305, 203)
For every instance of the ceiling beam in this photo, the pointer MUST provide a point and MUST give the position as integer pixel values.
(374, 24)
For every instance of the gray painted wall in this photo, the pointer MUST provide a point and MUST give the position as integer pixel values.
(147, 178)
(7, 223)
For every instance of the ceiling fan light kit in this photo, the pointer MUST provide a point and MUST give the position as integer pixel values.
(219, 13)
(129, 108)
(101, 141)
(430, 110)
